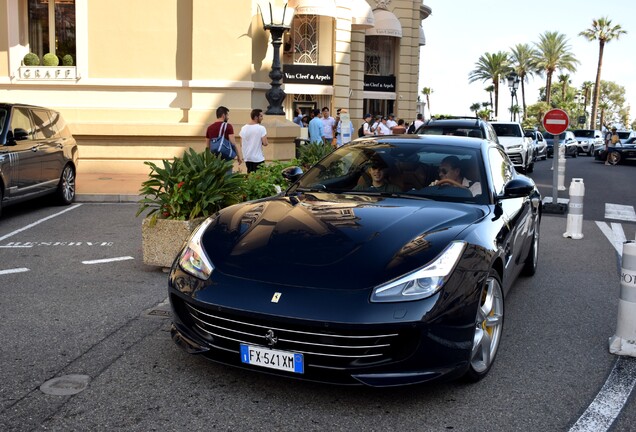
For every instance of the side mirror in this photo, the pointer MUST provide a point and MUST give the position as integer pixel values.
(517, 188)
(18, 134)
(292, 174)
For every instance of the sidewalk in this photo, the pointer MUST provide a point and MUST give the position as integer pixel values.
(109, 187)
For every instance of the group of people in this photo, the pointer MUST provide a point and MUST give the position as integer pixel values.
(325, 129)
(253, 137)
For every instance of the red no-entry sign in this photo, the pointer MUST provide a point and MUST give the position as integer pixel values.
(556, 121)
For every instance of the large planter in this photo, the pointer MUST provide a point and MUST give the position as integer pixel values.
(162, 242)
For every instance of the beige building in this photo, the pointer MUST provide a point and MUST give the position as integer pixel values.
(141, 80)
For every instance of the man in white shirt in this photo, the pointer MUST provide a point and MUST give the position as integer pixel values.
(391, 123)
(328, 126)
(419, 121)
(383, 129)
(253, 138)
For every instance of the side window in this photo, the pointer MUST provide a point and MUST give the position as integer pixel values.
(59, 125)
(43, 127)
(21, 124)
(493, 134)
(500, 169)
(52, 27)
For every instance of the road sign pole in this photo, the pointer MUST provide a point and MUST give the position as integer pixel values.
(556, 122)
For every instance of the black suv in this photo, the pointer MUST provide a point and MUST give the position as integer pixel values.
(38, 155)
(460, 126)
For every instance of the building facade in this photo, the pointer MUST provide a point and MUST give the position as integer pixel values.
(141, 80)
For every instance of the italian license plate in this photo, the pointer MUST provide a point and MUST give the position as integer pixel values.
(273, 359)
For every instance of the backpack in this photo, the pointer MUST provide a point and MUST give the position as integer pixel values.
(361, 130)
(411, 129)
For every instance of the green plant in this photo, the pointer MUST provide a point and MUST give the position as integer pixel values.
(195, 185)
(262, 182)
(31, 59)
(50, 59)
(67, 60)
(311, 153)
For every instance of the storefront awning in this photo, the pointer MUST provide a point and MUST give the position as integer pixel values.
(361, 15)
(314, 7)
(386, 24)
(422, 37)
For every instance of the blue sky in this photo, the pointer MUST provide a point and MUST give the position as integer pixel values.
(458, 32)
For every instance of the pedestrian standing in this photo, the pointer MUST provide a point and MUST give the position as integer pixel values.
(214, 130)
(298, 117)
(383, 129)
(315, 128)
(399, 129)
(611, 142)
(391, 123)
(328, 126)
(254, 138)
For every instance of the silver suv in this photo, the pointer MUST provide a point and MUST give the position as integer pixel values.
(38, 155)
(517, 145)
(588, 140)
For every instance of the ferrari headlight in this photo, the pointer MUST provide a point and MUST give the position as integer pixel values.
(193, 259)
(423, 282)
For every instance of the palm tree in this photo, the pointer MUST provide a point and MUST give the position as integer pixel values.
(564, 81)
(523, 63)
(602, 31)
(475, 108)
(586, 88)
(552, 53)
(491, 67)
(426, 91)
(490, 89)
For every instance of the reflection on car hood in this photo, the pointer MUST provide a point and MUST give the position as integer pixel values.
(511, 141)
(316, 239)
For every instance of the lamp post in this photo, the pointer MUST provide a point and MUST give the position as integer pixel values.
(513, 85)
(277, 20)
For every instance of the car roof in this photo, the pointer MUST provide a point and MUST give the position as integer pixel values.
(464, 121)
(449, 140)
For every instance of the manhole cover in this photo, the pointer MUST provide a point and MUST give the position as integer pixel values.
(65, 385)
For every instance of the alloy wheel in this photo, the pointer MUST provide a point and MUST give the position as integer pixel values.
(66, 188)
(488, 327)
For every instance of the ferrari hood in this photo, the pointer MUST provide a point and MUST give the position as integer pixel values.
(316, 239)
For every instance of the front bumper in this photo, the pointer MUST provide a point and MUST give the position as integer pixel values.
(385, 344)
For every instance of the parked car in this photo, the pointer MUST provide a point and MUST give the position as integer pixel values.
(473, 127)
(517, 145)
(540, 148)
(348, 278)
(621, 153)
(625, 135)
(566, 140)
(38, 155)
(588, 140)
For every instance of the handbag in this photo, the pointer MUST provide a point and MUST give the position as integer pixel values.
(222, 146)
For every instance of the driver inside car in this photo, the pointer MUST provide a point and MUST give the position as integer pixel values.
(450, 173)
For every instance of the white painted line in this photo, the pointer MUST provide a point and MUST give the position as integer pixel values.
(6, 236)
(15, 246)
(615, 235)
(609, 402)
(107, 260)
(620, 212)
(15, 270)
(555, 121)
(548, 199)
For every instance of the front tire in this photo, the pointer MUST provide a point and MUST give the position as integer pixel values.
(614, 158)
(532, 260)
(66, 186)
(488, 328)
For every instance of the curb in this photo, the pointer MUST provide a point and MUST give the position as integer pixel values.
(107, 198)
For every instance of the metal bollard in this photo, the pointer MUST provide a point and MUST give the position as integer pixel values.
(574, 225)
(624, 341)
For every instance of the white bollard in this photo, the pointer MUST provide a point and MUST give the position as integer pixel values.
(574, 225)
(624, 341)
(561, 173)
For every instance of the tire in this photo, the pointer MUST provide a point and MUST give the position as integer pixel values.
(66, 187)
(590, 152)
(488, 328)
(614, 158)
(532, 260)
(530, 168)
(1, 198)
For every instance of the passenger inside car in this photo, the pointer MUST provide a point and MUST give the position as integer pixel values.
(450, 173)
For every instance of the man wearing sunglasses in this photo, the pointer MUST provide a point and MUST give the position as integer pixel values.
(450, 173)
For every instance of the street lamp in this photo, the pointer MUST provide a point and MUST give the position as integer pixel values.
(513, 85)
(277, 20)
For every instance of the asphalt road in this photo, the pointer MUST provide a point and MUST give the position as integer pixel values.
(65, 312)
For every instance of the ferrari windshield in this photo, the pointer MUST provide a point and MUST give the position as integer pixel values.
(405, 169)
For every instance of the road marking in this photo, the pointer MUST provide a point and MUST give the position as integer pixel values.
(6, 236)
(609, 402)
(615, 235)
(107, 260)
(15, 270)
(548, 199)
(620, 212)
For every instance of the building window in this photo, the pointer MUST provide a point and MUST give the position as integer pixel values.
(379, 55)
(305, 39)
(52, 27)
